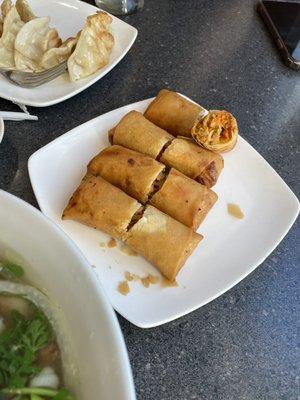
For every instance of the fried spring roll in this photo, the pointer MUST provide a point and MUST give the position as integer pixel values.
(163, 241)
(140, 176)
(184, 199)
(137, 133)
(202, 165)
(100, 205)
(174, 113)
(133, 172)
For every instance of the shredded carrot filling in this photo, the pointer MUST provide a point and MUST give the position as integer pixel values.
(216, 127)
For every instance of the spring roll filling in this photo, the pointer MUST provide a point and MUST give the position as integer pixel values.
(163, 150)
(136, 217)
(158, 183)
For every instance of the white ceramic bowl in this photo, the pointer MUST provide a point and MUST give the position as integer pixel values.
(54, 263)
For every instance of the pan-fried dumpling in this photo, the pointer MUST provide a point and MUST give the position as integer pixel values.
(22, 7)
(11, 27)
(24, 11)
(5, 8)
(32, 42)
(93, 48)
(57, 55)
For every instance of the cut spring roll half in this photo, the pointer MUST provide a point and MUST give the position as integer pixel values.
(184, 199)
(99, 204)
(202, 165)
(217, 131)
(174, 113)
(137, 133)
(163, 241)
(133, 172)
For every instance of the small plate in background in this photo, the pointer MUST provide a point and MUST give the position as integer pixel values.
(68, 17)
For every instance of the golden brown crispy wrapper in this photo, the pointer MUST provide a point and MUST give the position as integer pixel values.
(202, 165)
(137, 133)
(163, 241)
(184, 199)
(139, 176)
(133, 172)
(172, 112)
(217, 131)
(101, 205)
(93, 47)
(159, 238)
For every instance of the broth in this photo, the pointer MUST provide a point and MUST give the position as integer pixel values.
(31, 362)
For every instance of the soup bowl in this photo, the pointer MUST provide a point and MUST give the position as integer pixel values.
(56, 266)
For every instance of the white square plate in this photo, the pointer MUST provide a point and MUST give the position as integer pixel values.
(230, 250)
(68, 17)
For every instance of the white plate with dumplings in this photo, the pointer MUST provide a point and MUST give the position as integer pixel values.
(68, 17)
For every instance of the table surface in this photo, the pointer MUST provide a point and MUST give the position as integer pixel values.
(243, 345)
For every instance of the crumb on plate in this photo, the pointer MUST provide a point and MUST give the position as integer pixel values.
(123, 288)
(112, 243)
